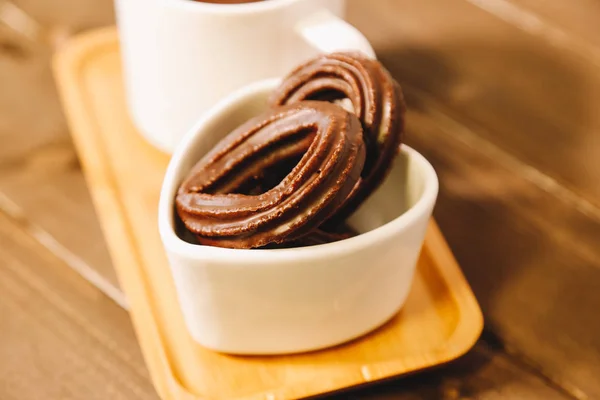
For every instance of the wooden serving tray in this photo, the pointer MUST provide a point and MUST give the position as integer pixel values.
(440, 321)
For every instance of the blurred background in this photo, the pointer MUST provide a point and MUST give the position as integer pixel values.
(503, 99)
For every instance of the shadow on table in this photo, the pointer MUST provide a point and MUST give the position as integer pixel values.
(444, 382)
(519, 98)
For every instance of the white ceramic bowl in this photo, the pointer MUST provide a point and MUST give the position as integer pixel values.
(293, 300)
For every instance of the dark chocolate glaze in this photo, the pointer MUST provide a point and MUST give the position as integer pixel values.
(329, 143)
(377, 101)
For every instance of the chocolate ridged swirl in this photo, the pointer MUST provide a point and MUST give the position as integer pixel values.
(376, 99)
(225, 201)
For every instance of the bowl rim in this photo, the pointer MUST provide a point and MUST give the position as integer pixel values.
(174, 244)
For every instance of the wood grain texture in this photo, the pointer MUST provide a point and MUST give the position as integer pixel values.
(77, 15)
(36, 150)
(570, 23)
(47, 188)
(26, 80)
(484, 373)
(525, 95)
(60, 337)
(536, 264)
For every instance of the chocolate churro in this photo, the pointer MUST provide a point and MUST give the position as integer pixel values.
(333, 154)
(376, 99)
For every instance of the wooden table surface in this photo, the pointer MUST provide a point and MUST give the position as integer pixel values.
(504, 98)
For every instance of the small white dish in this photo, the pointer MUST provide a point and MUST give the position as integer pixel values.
(300, 299)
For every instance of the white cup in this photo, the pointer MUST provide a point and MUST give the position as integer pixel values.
(181, 56)
(292, 300)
